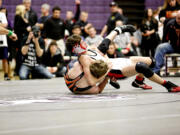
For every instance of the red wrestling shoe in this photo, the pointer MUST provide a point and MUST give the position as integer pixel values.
(141, 85)
(175, 89)
(171, 87)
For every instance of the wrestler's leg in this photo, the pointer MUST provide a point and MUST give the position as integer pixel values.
(136, 59)
(144, 69)
(130, 71)
(139, 80)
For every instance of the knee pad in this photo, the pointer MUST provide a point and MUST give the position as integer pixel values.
(153, 63)
(144, 69)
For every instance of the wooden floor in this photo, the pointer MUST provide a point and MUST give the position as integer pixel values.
(47, 107)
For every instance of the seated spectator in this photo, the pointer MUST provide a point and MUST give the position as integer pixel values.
(54, 29)
(71, 19)
(123, 42)
(44, 16)
(77, 31)
(113, 52)
(32, 51)
(168, 11)
(172, 44)
(93, 38)
(53, 60)
(83, 23)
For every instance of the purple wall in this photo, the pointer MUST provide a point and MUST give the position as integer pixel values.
(98, 9)
(153, 3)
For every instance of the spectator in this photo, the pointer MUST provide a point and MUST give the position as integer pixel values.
(123, 42)
(4, 46)
(21, 24)
(172, 44)
(93, 38)
(77, 31)
(71, 19)
(54, 29)
(0, 3)
(150, 37)
(83, 23)
(120, 11)
(30, 15)
(32, 50)
(21, 28)
(53, 60)
(113, 52)
(169, 11)
(111, 23)
(160, 24)
(44, 16)
(11, 46)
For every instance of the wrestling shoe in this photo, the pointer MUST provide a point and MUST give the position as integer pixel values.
(128, 28)
(171, 87)
(138, 84)
(125, 28)
(115, 84)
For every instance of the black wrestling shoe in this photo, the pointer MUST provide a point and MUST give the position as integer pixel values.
(128, 28)
(114, 84)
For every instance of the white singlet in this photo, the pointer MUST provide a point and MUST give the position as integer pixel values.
(120, 63)
(117, 63)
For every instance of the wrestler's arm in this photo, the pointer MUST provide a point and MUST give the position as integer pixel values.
(85, 62)
(97, 89)
(112, 35)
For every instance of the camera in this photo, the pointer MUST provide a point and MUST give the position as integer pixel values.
(35, 30)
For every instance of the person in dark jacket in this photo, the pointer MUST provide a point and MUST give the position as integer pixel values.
(53, 60)
(115, 15)
(54, 29)
(21, 28)
(172, 44)
(150, 38)
(168, 12)
(30, 15)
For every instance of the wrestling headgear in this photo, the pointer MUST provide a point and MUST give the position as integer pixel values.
(80, 48)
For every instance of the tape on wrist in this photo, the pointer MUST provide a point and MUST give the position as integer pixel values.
(10, 33)
(119, 49)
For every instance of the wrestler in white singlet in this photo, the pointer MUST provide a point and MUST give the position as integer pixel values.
(117, 63)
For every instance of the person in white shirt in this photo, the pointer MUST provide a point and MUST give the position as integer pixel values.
(4, 46)
(93, 38)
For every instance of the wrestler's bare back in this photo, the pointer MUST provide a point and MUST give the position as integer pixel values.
(77, 69)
